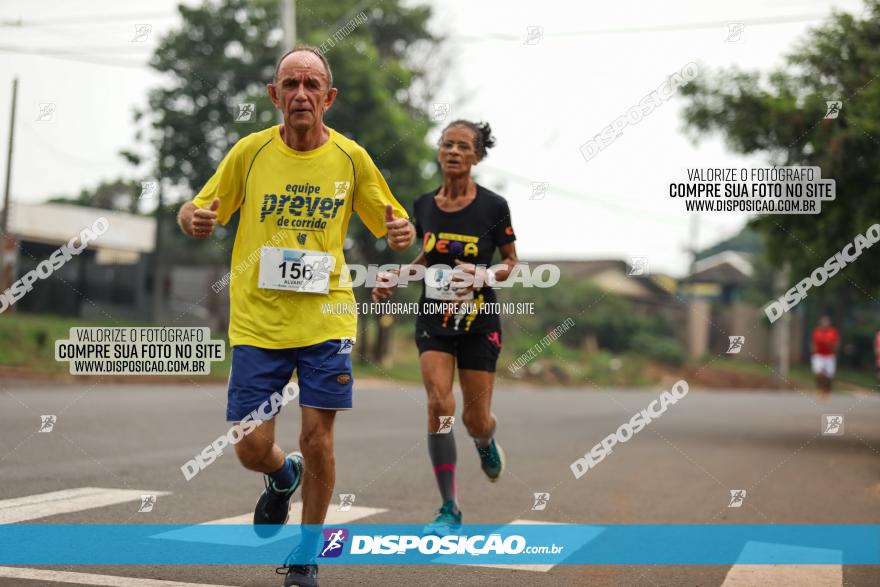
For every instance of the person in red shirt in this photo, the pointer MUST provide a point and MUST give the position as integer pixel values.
(824, 360)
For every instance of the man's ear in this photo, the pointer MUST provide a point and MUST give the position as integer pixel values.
(331, 97)
(273, 94)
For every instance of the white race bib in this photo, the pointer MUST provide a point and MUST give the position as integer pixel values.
(438, 285)
(296, 270)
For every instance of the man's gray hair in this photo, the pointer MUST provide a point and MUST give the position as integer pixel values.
(309, 49)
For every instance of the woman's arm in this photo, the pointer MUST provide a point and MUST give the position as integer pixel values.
(508, 258)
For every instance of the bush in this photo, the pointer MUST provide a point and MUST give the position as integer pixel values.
(608, 318)
(662, 348)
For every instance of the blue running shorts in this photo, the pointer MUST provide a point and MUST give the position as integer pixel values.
(323, 372)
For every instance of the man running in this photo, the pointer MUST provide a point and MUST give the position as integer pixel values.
(825, 341)
(461, 225)
(296, 186)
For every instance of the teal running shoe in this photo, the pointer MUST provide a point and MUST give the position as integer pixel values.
(491, 460)
(448, 521)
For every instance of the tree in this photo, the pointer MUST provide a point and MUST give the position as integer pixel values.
(782, 114)
(224, 54)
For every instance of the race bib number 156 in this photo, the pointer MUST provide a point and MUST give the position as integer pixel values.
(296, 270)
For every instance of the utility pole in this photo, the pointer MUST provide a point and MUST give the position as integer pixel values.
(288, 24)
(160, 270)
(694, 237)
(783, 326)
(7, 272)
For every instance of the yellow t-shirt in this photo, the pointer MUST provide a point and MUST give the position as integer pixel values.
(293, 200)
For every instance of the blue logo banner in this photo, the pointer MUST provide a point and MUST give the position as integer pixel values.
(542, 544)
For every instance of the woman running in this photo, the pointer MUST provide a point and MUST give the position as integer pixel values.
(461, 224)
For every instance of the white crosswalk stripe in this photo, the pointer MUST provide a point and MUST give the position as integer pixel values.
(588, 534)
(43, 505)
(333, 517)
(785, 575)
(92, 579)
(31, 507)
(195, 534)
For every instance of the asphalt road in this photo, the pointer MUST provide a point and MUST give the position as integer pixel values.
(680, 469)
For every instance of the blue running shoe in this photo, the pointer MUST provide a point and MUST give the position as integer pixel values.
(448, 521)
(273, 507)
(491, 460)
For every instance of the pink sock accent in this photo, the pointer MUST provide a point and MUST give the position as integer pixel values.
(448, 467)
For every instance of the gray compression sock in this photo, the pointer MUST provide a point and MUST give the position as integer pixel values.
(441, 447)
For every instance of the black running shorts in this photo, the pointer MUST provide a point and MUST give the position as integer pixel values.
(473, 350)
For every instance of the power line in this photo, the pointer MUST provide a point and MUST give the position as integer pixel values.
(83, 49)
(87, 19)
(753, 21)
(72, 57)
(609, 202)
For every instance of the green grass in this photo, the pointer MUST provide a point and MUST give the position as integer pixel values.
(802, 375)
(740, 365)
(554, 364)
(403, 366)
(27, 341)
